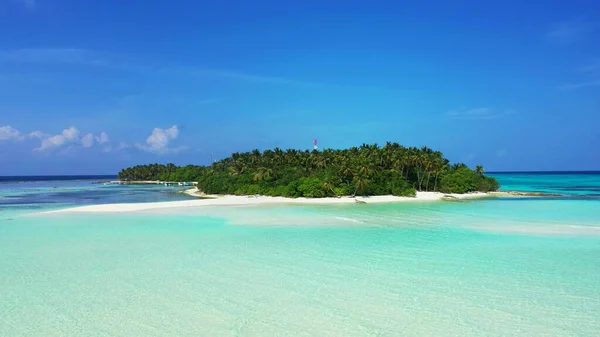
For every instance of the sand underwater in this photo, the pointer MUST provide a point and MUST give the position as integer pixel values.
(494, 267)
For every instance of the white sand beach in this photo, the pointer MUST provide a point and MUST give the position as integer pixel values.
(233, 200)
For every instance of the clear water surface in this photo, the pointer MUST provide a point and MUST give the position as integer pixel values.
(497, 267)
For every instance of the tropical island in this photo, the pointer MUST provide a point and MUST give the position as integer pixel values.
(368, 170)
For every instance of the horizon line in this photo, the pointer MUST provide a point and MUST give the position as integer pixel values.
(564, 171)
(116, 174)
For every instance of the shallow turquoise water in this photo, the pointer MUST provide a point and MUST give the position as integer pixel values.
(39, 195)
(500, 267)
(575, 184)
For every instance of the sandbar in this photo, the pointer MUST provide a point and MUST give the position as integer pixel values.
(234, 200)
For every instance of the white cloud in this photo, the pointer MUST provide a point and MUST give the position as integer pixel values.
(477, 113)
(71, 133)
(7, 132)
(158, 141)
(102, 138)
(87, 140)
(68, 136)
(37, 134)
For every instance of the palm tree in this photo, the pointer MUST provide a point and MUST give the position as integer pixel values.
(479, 170)
(457, 166)
(356, 167)
(256, 157)
(234, 171)
(360, 182)
(279, 156)
(263, 173)
(416, 160)
(328, 186)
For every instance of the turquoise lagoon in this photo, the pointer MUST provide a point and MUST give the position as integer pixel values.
(497, 267)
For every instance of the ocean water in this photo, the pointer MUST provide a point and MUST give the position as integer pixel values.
(497, 267)
(22, 195)
(579, 185)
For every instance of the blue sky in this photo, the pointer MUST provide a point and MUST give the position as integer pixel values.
(89, 87)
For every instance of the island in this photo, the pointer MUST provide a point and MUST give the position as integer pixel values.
(368, 170)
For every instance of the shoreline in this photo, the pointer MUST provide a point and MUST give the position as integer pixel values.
(233, 200)
(206, 200)
(145, 182)
(429, 196)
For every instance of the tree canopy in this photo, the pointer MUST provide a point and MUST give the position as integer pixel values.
(365, 170)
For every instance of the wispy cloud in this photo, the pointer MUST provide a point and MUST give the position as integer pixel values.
(159, 140)
(570, 31)
(588, 76)
(117, 148)
(477, 114)
(78, 56)
(37, 134)
(110, 60)
(53, 56)
(579, 85)
(102, 138)
(8, 133)
(592, 67)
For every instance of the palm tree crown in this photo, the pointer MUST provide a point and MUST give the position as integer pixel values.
(368, 169)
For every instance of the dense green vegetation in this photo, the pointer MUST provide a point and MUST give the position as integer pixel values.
(365, 170)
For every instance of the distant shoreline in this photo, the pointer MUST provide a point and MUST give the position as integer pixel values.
(145, 182)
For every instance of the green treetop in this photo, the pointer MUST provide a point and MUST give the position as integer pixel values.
(365, 170)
